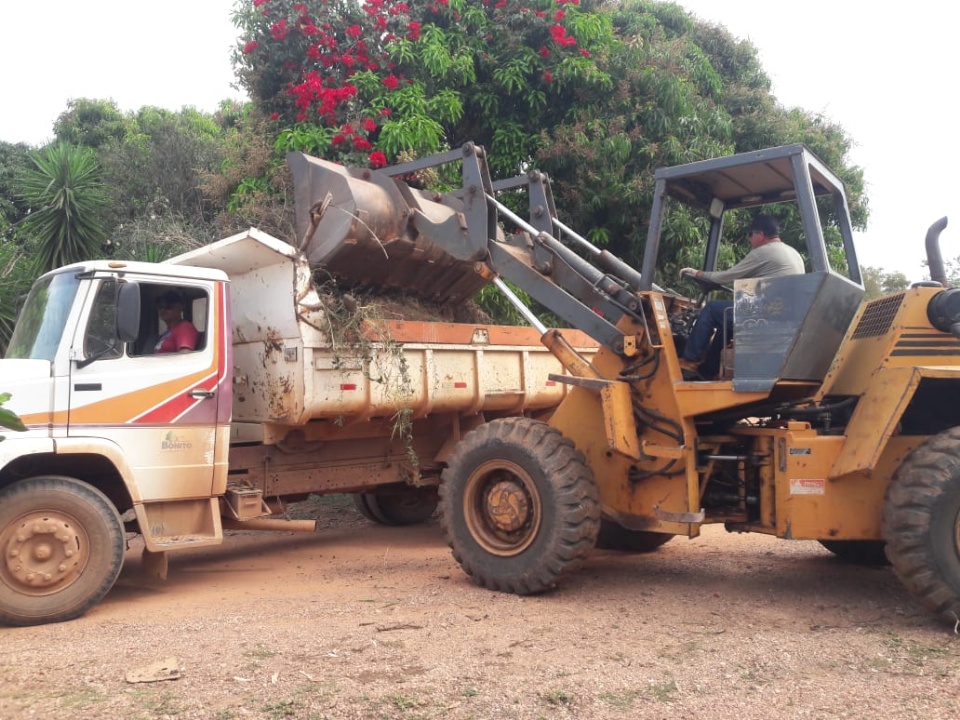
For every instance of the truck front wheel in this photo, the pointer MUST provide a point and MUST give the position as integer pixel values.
(519, 506)
(62, 543)
(921, 523)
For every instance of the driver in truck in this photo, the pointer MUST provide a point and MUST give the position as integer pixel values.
(768, 257)
(180, 335)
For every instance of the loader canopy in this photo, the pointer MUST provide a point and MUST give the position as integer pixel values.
(785, 328)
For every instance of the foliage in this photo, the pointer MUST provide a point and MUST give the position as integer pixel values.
(390, 78)
(877, 282)
(14, 158)
(9, 419)
(597, 94)
(91, 123)
(66, 197)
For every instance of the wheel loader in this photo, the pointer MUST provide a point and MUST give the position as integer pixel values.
(833, 419)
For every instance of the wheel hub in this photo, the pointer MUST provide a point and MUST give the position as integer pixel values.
(507, 506)
(43, 551)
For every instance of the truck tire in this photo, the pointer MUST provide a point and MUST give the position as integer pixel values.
(921, 523)
(871, 553)
(614, 536)
(519, 506)
(406, 506)
(62, 542)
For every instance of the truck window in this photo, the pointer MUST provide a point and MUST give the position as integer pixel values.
(100, 338)
(191, 307)
(40, 326)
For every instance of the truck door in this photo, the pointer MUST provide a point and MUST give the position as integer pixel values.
(167, 412)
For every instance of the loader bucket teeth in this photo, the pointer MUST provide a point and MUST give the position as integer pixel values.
(369, 230)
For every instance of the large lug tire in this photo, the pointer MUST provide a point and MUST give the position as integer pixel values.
(406, 506)
(62, 543)
(859, 552)
(614, 536)
(921, 523)
(519, 506)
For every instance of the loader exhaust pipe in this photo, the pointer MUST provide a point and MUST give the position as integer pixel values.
(938, 271)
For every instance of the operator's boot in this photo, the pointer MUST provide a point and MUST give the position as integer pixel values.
(690, 370)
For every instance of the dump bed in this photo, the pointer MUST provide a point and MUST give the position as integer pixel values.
(291, 364)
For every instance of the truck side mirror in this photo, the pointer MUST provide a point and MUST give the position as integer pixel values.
(128, 312)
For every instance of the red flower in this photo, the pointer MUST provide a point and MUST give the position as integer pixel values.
(386, 112)
(377, 159)
(274, 116)
(544, 52)
(584, 52)
(361, 143)
(560, 37)
(558, 15)
(337, 139)
(548, 76)
(250, 47)
(353, 31)
(368, 124)
(280, 29)
(258, 3)
(414, 33)
(391, 82)
(346, 130)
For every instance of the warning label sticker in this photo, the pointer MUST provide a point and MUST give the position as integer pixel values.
(807, 486)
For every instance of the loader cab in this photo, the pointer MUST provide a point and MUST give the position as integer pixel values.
(785, 328)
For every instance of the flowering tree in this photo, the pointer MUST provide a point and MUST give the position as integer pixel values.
(598, 94)
(380, 80)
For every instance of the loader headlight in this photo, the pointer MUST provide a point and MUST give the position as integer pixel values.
(943, 312)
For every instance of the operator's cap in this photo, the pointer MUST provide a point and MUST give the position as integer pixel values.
(170, 297)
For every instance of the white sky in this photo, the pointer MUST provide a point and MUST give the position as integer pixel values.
(885, 73)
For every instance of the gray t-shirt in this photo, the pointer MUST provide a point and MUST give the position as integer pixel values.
(770, 260)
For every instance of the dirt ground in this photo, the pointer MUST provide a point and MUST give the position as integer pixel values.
(363, 621)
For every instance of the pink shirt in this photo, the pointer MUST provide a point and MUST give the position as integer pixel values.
(182, 336)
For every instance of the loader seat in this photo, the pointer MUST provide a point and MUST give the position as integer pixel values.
(789, 327)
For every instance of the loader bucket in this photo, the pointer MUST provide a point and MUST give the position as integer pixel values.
(369, 230)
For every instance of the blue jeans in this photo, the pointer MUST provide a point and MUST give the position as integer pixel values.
(709, 325)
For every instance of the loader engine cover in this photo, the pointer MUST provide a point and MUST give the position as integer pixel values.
(369, 230)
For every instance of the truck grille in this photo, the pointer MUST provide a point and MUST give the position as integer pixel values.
(878, 317)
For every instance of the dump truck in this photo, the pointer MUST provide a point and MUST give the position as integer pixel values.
(833, 419)
(276, 401)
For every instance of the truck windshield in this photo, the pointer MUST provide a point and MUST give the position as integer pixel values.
(40, 327)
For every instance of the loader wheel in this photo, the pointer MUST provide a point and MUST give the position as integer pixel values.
(859, 552)
(921, 523)
(62, 543)
(519, 506)
(614, 536)
(406, 506)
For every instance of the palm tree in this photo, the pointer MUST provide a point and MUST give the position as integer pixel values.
(66, 199)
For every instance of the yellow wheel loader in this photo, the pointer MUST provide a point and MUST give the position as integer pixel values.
(834, 419)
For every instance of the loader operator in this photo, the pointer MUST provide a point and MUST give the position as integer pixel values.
(768, 257)
(180, 335)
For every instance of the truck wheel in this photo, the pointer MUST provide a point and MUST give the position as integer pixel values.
(921, 523)
(859, 552)
(62, 543)
(407, 506)
(614, 536)
(519, 505)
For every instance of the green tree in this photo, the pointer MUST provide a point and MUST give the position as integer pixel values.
(597, 94)
(91, 123)
(66, 199)
(14, 158)
(877, 282)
